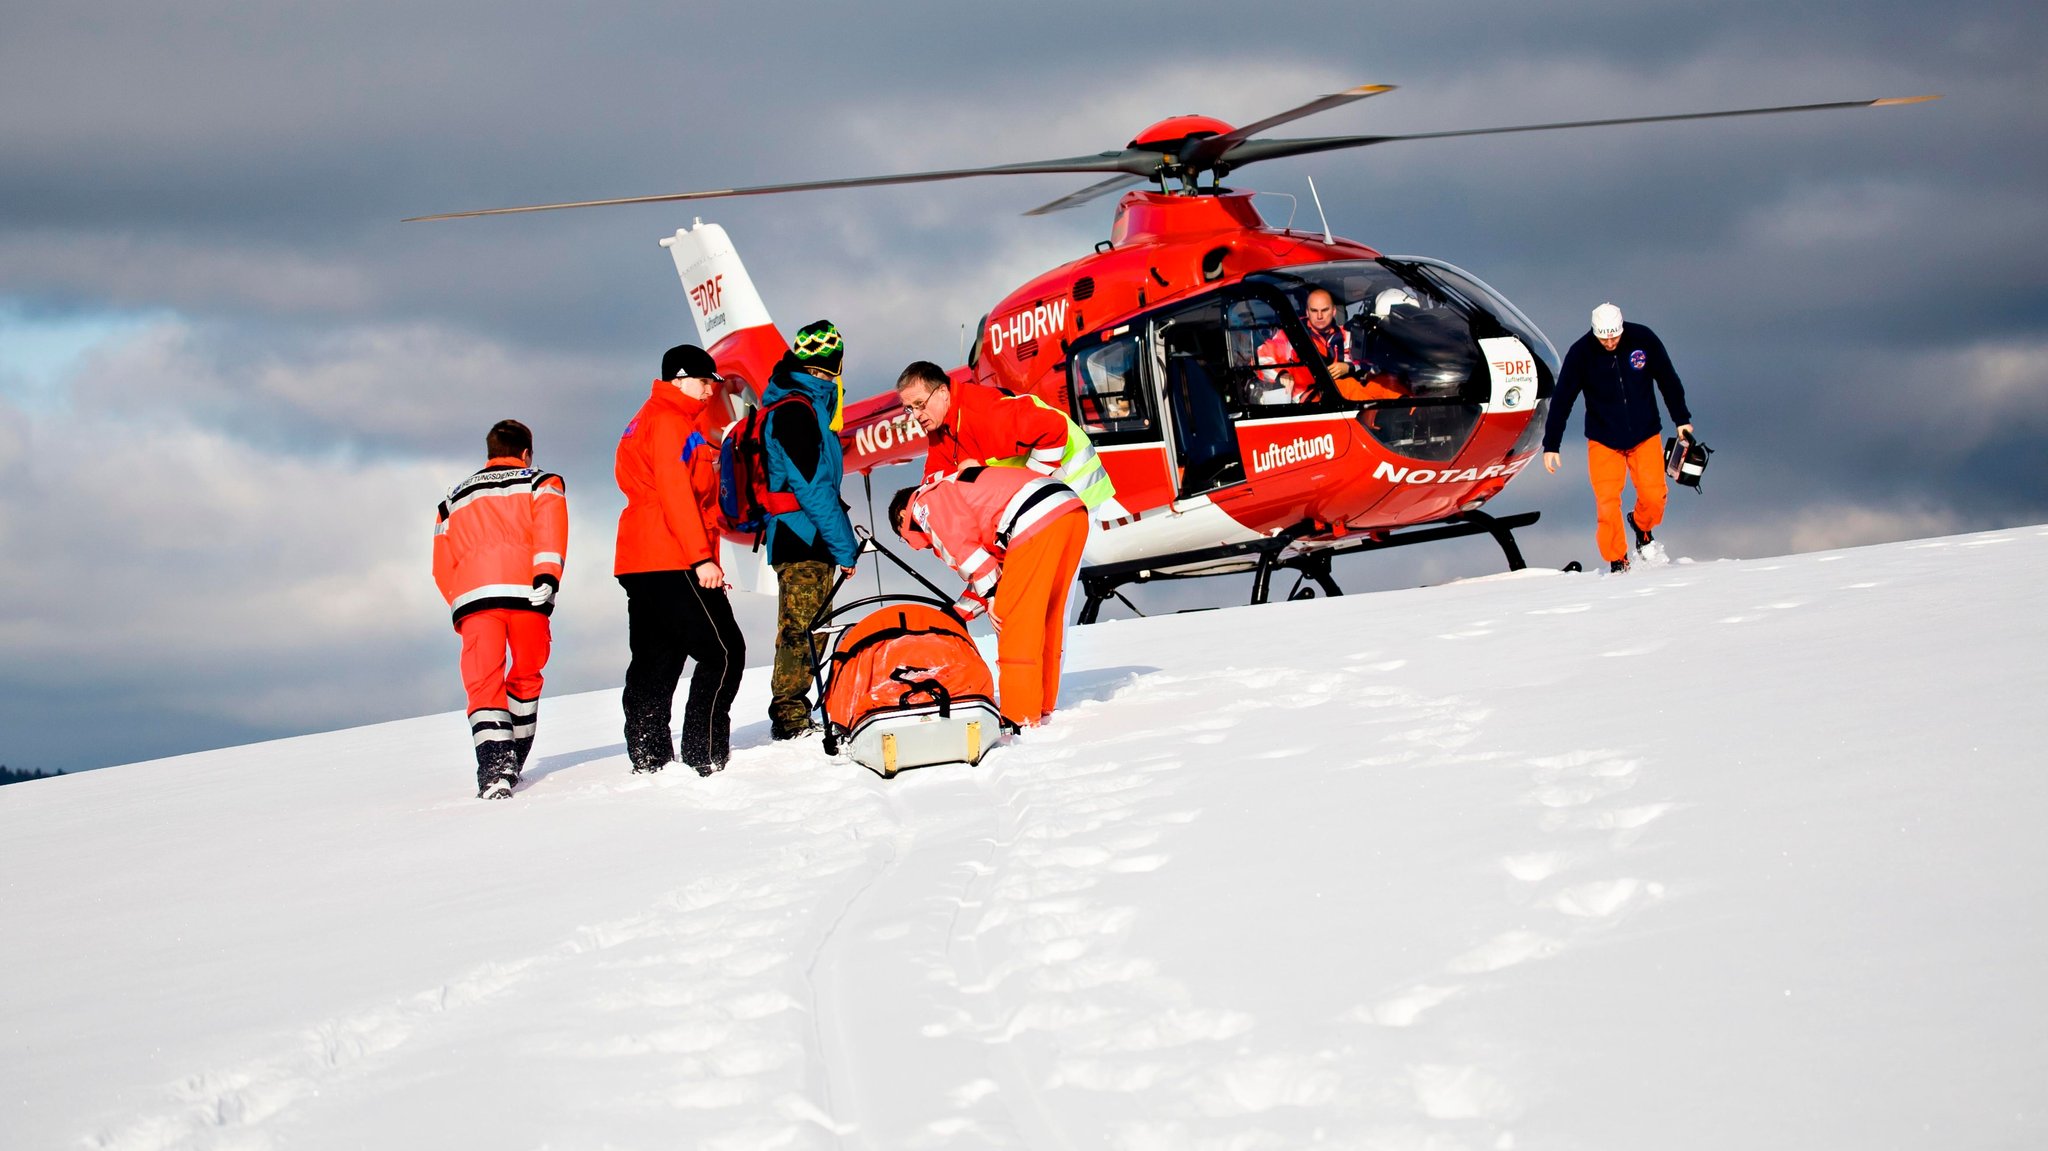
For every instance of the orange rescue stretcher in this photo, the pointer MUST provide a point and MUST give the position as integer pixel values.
(903, 686)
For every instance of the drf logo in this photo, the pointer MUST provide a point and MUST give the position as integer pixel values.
(1638, 358)
(709, 296)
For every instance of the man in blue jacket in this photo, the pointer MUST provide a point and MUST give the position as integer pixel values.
(1614, 365)
(802, 448)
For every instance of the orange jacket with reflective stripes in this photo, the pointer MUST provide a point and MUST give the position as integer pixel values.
(974, 517)
(667, 465)
(983, 424)
(500, 535)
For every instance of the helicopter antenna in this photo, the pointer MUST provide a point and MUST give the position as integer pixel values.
(1319, 210)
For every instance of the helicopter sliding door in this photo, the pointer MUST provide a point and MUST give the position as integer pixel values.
(1196, 378)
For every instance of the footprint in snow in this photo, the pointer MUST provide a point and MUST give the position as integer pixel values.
(1449, 1092)
(1534, 866)
(1597, 900)
(1506, 950)
(1405, 1009)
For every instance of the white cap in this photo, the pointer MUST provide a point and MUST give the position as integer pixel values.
(1606, 322)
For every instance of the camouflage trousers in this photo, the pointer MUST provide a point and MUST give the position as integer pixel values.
(803, 586)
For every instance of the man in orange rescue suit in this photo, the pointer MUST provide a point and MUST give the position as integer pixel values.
(1330, 343)
(499, 539)
(968, 424)
(1615, 365)
(667, 560)
(1016, 538)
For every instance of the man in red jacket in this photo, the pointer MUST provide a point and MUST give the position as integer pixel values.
(968, 423)
(1016, 538)
(499, 539)
(667, 560)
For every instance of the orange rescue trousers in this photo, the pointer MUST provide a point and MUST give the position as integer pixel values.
(504, 705)
(1030, 614)
(1645, 464)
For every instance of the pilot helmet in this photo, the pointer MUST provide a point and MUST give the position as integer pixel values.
(1384, 303)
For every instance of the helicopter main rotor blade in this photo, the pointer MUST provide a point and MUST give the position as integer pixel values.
(1115, 183)
(1252, 151)
(1138, 163)
(1201, 154)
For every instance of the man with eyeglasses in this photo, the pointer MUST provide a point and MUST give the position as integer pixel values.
(967, 424)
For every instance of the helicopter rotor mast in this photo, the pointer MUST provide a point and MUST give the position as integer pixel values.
(1202, 145)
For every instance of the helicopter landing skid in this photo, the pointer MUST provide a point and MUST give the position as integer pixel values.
(1263, 557)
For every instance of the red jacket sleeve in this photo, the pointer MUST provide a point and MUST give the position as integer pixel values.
(444, 556)
(550, 529)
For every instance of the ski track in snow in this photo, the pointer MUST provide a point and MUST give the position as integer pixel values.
(677, 989)
(742, 1000)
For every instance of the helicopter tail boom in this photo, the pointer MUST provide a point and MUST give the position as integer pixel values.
(732, 321)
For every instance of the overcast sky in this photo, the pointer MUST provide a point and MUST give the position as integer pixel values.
(233, 385)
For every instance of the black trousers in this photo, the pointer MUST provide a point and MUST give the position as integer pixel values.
(671, 618)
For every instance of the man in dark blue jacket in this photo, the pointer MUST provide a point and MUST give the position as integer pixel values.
(803, 453)
(1614, 365)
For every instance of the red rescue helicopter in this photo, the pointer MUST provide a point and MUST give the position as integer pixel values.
(1173, 344)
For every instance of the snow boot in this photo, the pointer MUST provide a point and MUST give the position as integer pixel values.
(707, 769)
(1643, 539)
(496, 764)
(1616, 567)
(1647, 546)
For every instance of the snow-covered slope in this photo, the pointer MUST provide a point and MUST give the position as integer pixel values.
(1715, 855)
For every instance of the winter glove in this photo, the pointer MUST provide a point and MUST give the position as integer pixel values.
(543, 595)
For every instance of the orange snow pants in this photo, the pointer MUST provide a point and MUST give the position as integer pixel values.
(1030, 614)
(1645, 464)
(503, 705)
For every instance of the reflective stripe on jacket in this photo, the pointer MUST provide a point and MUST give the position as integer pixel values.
(498, 535)
(985, 426)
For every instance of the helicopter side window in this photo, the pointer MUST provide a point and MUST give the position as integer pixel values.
(1107, 388)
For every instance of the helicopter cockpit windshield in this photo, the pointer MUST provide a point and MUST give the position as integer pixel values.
(1400, 335)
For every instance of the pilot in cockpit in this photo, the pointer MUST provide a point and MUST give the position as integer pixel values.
(1284, 380)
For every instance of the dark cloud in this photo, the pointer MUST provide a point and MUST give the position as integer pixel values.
(1856, 299)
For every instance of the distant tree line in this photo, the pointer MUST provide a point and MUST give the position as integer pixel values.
(11, 775)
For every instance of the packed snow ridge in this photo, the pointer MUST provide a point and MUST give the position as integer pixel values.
(1709, 855)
